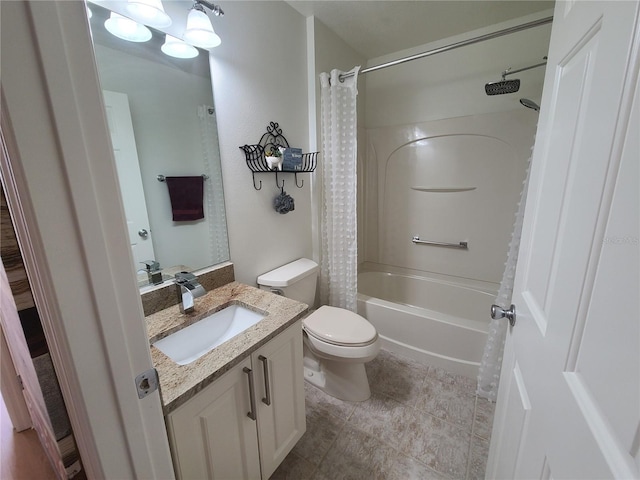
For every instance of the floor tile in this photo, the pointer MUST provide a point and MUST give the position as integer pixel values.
(401, 379)
(448, 401)
(320, 402)
(483, 422)
(420, 423)
(466, 384)
(294, 467)
(318, 475)
(356, 455)
(438, 444)
(382, 417)
(478, 461)
(374, 367)
(407, 468)
(322, 431)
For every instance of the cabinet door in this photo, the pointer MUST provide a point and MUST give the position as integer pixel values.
(282, 423)
(212, 436)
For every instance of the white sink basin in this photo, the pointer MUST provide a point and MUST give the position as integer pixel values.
(192, 342)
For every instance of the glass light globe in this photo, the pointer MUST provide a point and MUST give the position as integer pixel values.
(199, 30)
(174, 47)
(127, 29)
(149, 12)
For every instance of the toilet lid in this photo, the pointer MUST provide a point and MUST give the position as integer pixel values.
(339, 326)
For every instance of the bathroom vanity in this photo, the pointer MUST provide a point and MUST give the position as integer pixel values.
(238, 410)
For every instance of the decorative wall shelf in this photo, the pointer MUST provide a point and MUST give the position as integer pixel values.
(272, 139)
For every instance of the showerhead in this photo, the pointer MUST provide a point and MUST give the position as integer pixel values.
(510, 86)
(502, 87)
(530, 104)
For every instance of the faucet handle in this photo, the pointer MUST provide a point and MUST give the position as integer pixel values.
(151, 265)
(190, 281)
(185, 277)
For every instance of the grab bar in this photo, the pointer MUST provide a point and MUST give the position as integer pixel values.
(462, 245)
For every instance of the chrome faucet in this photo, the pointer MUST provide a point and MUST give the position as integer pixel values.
(154, 274)
(187, 289)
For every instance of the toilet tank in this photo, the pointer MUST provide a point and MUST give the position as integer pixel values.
(297, 280)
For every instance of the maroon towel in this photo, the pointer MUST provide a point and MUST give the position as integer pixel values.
(186, 195)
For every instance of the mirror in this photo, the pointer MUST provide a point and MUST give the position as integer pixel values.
(162, 122)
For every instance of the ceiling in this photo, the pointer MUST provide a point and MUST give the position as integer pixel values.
(376, 28)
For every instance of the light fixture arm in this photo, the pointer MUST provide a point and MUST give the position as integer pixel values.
(199, 4)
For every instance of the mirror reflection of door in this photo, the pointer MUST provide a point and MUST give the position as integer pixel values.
(126, 156)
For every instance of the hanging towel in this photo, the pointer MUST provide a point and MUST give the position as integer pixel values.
(186, 195)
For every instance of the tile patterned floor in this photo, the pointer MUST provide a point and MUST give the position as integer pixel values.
(420, 423)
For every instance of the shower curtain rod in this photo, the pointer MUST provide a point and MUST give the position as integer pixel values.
(446, 48)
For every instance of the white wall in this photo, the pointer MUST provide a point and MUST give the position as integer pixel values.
(451, 84)
(412, 101)
(259, 76)
(482, 156)
(331, 52)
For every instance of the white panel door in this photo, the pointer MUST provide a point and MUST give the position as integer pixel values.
(129, 177)
(569, 399)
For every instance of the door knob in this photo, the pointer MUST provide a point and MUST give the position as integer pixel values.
(143, 233)
(499, 312)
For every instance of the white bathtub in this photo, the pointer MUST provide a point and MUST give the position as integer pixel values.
(433, 320)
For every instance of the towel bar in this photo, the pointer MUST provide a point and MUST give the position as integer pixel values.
(461, 245)
(161, 178)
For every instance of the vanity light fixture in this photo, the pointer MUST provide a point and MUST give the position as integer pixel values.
(199, 30)
(149, 12)
(127, 29)
(174, 47)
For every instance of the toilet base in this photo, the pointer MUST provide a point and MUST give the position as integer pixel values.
(346, 381)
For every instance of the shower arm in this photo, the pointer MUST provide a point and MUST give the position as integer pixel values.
(511, 72)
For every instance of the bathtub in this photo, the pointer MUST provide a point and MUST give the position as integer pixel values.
(435, 320)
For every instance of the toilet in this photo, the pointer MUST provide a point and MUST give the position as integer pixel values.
(336, 342)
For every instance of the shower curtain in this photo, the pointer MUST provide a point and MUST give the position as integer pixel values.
(339, 262)
(214, 196)
(491, 363)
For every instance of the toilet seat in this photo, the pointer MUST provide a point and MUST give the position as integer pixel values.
(340, 327)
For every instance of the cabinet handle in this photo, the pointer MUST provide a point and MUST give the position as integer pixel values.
(265, 364)
(252, 397)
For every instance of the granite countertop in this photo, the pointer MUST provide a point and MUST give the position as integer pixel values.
(179, 383)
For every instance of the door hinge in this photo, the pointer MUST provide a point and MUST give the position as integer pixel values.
(147, 382)
(20, 380)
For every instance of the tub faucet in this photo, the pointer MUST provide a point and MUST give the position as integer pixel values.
(187, 288)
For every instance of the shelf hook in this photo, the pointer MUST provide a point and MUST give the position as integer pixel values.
(302, 181)
(254, 182)
(278, 183)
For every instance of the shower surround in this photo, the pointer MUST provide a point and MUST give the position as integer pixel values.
(452, 180)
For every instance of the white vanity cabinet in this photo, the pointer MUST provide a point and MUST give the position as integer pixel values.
(246, 422)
